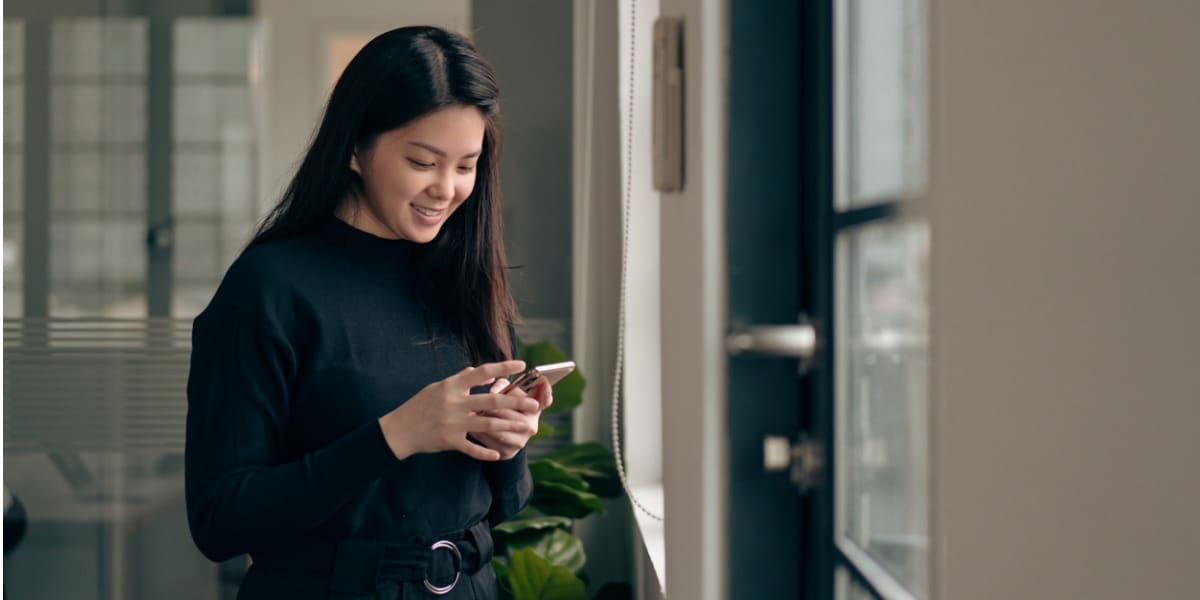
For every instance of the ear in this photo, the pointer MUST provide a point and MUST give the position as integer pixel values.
(354, 163)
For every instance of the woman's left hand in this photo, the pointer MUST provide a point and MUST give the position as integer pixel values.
(507, 443)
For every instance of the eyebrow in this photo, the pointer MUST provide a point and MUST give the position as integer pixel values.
(442, 153)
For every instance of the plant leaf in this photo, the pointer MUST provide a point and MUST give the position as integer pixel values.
(544, 431)
(532, 577)
(557, 499)
(591, 461)
(568, 393)
(502, 576)
(548, 471)
(526, 520)
(556, 545)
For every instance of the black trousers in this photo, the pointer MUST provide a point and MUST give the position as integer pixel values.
(371, 570)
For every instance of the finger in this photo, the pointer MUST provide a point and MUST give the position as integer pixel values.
(477, 452)
(494, 402)
(500, 384)
(512, 415)
(485, 373)
(506, 443)
(494, 425)
(546, 397)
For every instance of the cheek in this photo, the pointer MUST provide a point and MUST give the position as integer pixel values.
(464, 189)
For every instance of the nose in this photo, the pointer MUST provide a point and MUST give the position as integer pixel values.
(443, 188)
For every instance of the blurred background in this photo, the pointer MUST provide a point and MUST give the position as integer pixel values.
(143, 140)
(910, 298)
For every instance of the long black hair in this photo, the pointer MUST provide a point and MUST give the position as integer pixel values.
(397, 77)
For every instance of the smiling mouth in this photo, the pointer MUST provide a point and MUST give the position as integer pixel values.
(427, 212)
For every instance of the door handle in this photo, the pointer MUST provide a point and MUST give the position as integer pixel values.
(793, 341)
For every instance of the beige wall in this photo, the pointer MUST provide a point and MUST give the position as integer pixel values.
(1066, 281)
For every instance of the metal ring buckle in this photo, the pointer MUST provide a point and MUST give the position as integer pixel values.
(443, 590)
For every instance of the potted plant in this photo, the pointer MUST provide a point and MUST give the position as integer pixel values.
(537, 556)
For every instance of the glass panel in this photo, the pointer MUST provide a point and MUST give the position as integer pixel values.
(89, 48)
(195, 194)
(197, 246)
(14, 189)
(215, 152)
(216, 46)
(14, 48)
(14, 111)
(93, 113)
(13, 267)
(212, 112)
(882, 397)
(881, 101)
(98, 100)
(14, 166)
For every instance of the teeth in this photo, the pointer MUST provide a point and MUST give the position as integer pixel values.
(427, 212)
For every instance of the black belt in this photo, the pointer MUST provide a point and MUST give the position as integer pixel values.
(356, 566)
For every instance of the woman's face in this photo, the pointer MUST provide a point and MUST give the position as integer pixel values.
(416, 176)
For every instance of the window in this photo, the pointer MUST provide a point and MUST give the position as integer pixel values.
(881, 301)
(98, 97)
(14, 166)
(214, 152)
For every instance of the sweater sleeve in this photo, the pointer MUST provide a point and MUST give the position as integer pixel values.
(509, 480)
(241, 494)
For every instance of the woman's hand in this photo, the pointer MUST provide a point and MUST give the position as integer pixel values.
(439, 417)
(508, 444)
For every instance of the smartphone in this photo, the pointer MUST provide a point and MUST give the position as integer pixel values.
(553, 372)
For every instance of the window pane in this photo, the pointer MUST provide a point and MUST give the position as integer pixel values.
(14, 48)
(13, 268)
(216, 46)
(88, 48)
(212, 113)
(14, 112)
(217, 61)
(882, 398)
(881, 101)
(98, 101)
(14, 192)
(196, 251)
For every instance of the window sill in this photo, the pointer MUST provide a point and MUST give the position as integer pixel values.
(652, 532)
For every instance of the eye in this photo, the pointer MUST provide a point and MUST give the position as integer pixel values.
(467, 169)
(419, 164)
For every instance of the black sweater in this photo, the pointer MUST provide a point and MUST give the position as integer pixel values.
(306, 343)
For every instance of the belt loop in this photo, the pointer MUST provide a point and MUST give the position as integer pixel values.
(481, 532)
(355, 567)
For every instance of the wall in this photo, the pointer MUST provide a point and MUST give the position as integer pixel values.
(529, 44)
(1066, 276)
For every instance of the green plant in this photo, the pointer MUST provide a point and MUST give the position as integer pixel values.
(537, 556)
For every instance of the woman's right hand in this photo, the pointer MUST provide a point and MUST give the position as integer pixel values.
(439, 417)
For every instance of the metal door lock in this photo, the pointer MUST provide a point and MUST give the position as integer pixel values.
(805, 457)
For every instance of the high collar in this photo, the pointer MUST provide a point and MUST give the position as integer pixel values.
(366, 247)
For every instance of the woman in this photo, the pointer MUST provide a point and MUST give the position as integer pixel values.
(333, 430)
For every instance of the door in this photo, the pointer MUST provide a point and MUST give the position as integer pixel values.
(828, 311)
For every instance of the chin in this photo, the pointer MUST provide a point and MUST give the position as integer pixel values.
(423, 235)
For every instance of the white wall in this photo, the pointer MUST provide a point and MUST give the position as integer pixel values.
(1066, 280)
(294, 92)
